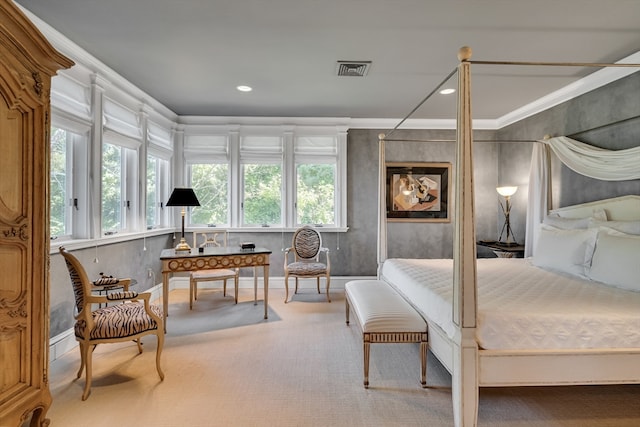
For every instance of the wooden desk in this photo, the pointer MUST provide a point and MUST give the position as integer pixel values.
(211, 258)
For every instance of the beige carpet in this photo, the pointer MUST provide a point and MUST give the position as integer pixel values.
(227, 366)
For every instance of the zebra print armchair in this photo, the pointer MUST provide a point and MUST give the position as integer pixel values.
(131, 318)
(306, 247)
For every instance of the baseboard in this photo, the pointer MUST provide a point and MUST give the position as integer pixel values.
(61, 344)
(66, 341)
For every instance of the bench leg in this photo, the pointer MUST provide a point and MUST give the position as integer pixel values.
(366, 360)
(423, 363)
(346, 306)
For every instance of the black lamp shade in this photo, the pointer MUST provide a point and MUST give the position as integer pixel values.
(183, 197)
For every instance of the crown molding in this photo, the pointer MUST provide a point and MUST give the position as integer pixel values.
(85, 59)
(586, 84)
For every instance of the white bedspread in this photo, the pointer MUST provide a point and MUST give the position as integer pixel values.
(521, 306)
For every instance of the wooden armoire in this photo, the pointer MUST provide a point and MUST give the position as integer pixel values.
(27, 63)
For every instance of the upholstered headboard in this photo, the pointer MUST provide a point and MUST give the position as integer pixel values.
(623, 208)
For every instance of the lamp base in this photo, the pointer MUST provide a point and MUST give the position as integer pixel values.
(183, 246)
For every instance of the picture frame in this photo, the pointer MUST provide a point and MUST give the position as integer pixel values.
(418, 192)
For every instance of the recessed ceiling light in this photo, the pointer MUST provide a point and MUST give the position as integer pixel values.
(243, 88)
(447, 91)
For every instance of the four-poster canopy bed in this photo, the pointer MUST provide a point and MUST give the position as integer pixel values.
(470, 339)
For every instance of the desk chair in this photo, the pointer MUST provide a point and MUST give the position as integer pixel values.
(215, 238)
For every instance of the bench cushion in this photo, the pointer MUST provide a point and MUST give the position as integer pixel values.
(380, 308)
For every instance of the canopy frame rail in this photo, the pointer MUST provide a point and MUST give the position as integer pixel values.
(517, 63)
(606, 125)
(453, 140)
(425, 99)
(557, 64)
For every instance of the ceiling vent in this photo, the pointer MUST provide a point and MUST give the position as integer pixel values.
(353, 68)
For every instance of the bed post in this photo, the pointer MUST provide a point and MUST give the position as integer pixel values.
(465, 354)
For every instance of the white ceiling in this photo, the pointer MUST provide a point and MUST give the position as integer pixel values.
(191, 54)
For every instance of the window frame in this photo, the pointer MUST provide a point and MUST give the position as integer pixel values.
(161, 167)
(129, 155)
(237, 156)
(189, 172)
(77, 172)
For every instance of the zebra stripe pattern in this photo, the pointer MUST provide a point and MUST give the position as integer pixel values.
(76, 282)
(120, 320)
(307, 243)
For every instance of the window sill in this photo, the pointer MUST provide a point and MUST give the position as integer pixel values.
(73, 244)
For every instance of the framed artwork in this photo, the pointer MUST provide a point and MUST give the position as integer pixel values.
(418, 192)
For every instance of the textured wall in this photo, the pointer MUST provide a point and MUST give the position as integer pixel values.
(406, 239)
(608, 117)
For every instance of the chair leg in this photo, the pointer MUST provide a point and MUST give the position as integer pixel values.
(82, 359)
(328, 283)
(88, 356)
(286, 287)
(224, 288)
(296, 285)
(160, 335)
(318, 283)
(139, 342)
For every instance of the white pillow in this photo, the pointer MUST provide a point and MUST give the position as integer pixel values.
(566, 223)
(616, 260)
(557, 221)
(629, 227)
(569, 251)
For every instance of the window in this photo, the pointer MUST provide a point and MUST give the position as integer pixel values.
(262, 202)
(210, 183)
(267, 177)
(316, 160)
(112, 191)
(157, 190)
(159, 153)
(262, 162)
(60, 177)
(315, 194)
(103, 179)
(119, 182)
(69, 201)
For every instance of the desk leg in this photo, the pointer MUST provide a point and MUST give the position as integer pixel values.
(165, 299)
(266, 290)
(255, 285)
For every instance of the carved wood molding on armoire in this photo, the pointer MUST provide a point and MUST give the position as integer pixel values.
(27, 63)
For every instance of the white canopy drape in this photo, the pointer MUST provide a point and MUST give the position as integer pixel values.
(585, 159)
(594, 162)
(382, 203)
(539, 195)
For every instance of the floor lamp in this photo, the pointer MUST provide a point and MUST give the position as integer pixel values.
(507, 192)
(183, 197)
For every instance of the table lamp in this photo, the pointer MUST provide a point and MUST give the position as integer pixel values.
(183, 197)
(507, 192)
